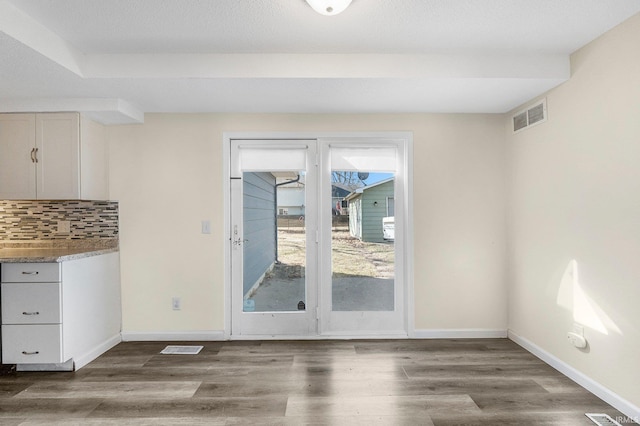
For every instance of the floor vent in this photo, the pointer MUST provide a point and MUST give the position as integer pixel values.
(531, 116)
(181, 350)
(602, 419)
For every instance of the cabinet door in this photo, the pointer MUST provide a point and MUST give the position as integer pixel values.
(57, 169)
(17, 143)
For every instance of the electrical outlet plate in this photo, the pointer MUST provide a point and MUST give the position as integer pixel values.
(576, 340)
(176, 303)
(64, 226)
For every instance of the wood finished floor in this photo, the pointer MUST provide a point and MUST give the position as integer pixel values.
(384, 382)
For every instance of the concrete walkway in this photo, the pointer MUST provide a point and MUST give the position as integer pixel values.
(278, 294)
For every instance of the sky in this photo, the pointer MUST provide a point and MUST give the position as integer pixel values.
(377, 177)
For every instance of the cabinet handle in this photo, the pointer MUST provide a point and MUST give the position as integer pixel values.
(33, 159)
(31, 313)
(30, 353)
(30, 272)
(35, 154)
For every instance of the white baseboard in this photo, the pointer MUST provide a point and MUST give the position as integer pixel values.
(461, 333)
(611, 398)
(172, 336)
(185, 336)
(94, 353)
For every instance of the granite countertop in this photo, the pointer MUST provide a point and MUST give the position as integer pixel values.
(47, 252)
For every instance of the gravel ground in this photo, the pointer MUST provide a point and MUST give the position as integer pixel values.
(362, 274)
(350, 256)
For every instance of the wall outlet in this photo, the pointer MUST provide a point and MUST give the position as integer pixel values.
(206, 226)
(64, 227)
(176, 303)
(578, 341)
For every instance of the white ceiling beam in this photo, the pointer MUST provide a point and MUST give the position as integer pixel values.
(397, 66)
(22, 27)
(105, 111)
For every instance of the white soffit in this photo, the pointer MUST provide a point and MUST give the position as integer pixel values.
(280, 56)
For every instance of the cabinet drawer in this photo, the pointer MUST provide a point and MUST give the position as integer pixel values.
(31, 303)
(32, 344)
(30, 272)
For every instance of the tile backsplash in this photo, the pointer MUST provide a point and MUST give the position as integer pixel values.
(27, 220)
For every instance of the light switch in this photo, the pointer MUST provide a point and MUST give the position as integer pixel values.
(206, 226)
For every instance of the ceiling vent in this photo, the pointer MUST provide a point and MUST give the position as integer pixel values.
(531, 116)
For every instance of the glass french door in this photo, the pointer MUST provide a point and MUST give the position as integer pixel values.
(316, 238)
(362, 290)
(273, 240)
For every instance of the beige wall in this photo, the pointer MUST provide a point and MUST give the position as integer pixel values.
(167, 175)
(574, 194)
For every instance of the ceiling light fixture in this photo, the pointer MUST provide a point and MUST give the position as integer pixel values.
(329, 7)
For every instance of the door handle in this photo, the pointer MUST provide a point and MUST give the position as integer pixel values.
(33, 158)
(35, 155)
(238, 242)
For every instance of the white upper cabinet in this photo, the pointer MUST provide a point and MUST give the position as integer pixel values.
(57, 156)
(17, 146)
(52, 156)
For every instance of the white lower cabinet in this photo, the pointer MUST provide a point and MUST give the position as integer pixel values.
(64, 321)
(29, 344)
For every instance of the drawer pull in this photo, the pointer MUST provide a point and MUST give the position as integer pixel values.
(30, 353)
(31, 313)
(29, 272)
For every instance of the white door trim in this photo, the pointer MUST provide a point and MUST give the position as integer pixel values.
(407, 138)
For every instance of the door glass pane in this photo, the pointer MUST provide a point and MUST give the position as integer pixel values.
(274, 247)
(362, 241)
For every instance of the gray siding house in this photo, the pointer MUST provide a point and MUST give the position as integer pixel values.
(291, 196)
(367, 207)
(259, 191)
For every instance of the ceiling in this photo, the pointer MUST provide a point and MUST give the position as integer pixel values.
(117, 59)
